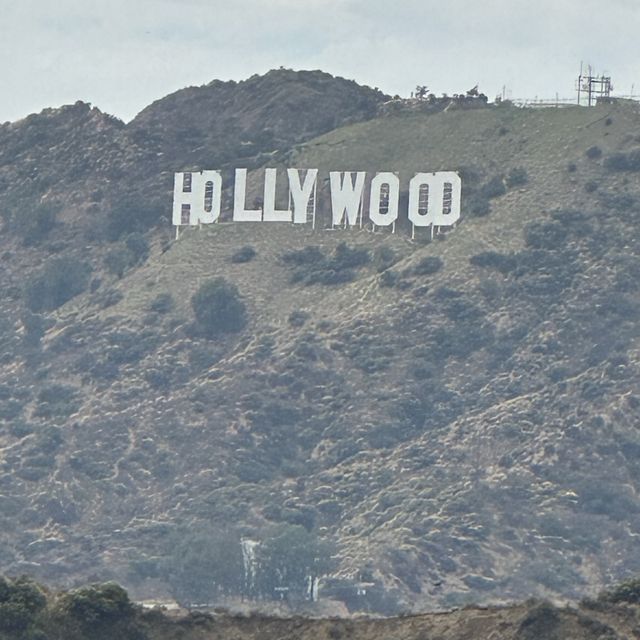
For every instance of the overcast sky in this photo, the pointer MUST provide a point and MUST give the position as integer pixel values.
(121, 55)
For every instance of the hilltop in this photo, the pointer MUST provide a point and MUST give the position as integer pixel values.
(456, 417)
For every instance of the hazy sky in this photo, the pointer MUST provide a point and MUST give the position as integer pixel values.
(121, 55)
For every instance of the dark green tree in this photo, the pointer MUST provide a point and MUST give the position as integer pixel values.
(289, 558)
(218, 308)
(117, 261)
(204, 565)
(60, 280)
(20, 602)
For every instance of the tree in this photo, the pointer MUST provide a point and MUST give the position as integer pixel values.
(204, 565)
(97, 604)
(117, 260)
(60, 280)
(20, 602)
(218, 308)
(290, 558)
(138, 247)
(99, 612)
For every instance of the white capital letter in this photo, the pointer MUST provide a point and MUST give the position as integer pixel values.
(271, 214)
(346, 198)
(391, 201)
(300, 194)
(240, 214)
(197, 197)
(434, 198)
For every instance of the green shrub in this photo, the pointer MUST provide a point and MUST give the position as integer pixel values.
(133, 251)
(545, 235)
(202, 565)
(138, 248)
(306, 256)
(244, 254)
(494, 260)
(346, 257)
(57, 400)
(218, 308)
(96, 606)
(428, 266)
(289, 557)
(593, 153)
(480, 207)
(388, 278)
(383, 258)
(60, 280)
(494, 188)
(313, 267)
(628, 591)
(162, 303)
(117, 260)
(629, 161)
(298, 318)
(20, 602)
(129, 214)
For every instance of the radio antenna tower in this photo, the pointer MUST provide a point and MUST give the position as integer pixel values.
(592, 87)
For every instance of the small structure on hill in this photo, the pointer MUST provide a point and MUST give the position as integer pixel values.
(592, 88)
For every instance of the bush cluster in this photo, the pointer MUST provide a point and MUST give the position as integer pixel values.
(218, 308)
(60, 280)
(312, 266)
(242, 255)
(134, 250)
(623, 161)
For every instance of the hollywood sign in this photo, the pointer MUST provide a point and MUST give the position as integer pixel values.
(434, 198)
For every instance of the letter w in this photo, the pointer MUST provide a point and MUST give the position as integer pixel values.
(345, 196)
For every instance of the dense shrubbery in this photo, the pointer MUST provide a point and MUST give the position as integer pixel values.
(428, 266)
(100, 612)
(35, 327)
(96, 605)
(289, 557)
(201, 566)
(311, 266)
(480, 207)
(244, 254)
(494, 260)
(34, 226)
(133, 251)
(628, 591)
(623, 161)
(57, 400)
(384, 258)
(60, 280)
(21, 602)
(545, 235)
(218, 308)
(162, 303)
(494, 188)
(593, 153)
(116, 261)
(130, 214)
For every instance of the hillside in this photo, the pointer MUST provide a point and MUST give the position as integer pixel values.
(457, 417)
